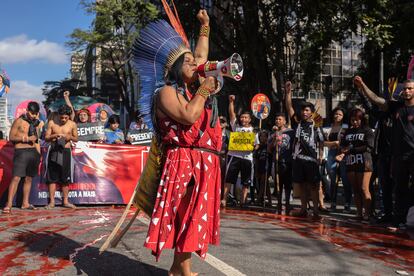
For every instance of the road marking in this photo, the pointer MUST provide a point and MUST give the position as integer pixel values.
(210, 259)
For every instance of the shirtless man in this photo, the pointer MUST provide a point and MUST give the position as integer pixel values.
(24, 134)
(59, 166)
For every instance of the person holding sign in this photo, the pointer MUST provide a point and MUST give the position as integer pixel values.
(307, 153)
(59, 163)
(113, 134)
(138, 124)
(83, 116)
(240, 161)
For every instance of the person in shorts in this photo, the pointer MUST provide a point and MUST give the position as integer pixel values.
(356, 147)
(24, 134)
(239, 161)
(307, 153)
(59, 163)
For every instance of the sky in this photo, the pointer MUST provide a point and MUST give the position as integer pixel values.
(32, 43)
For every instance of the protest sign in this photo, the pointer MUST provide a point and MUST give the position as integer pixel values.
(242, 141)
(140, 137)
(91, 131)
(260, 106)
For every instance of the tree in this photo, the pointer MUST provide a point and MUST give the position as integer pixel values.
(112, 34)
(53, 90)
(275, 38)
(388, 26)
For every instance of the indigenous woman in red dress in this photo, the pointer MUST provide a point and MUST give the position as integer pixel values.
(180, 184)
(184, 118)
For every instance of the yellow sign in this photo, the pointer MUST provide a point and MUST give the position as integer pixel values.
(242, 141)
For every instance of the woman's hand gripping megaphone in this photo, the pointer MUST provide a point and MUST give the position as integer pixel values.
(231, 68)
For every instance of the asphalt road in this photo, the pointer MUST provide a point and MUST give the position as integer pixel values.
(66, 242)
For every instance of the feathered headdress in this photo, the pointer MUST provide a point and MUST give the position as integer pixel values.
(154, 52)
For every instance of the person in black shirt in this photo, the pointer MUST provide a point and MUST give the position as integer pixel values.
(383, 150)
(307, 153)
(333, 136)
(280, 146)
(402, 142)
(356, 148)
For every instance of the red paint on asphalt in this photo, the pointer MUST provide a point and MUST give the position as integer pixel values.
(21, 257)
(394, 249)
(17, 255)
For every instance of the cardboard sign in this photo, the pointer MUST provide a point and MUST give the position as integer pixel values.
(260, 106)
(140, 137)
(91, 131)
(242, 141)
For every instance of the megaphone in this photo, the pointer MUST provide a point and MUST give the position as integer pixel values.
(231, 68)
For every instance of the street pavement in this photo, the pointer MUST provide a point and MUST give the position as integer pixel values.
(66, 242)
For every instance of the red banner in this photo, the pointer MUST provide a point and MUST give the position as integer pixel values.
(103, 174)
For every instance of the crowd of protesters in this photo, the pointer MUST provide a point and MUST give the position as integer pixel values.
(313, 162)
(59, 131)
(301, 159)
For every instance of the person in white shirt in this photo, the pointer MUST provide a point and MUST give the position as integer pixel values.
(239, 161)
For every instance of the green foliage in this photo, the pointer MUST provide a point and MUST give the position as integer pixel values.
(113, 32)
(388, 26)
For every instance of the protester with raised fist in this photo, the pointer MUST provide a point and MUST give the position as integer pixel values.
(307, 153)
(240, 161)
(402, 143)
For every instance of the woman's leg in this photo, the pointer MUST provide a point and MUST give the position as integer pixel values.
(332, 171)
(366, 195)
(346, 184)
(181, 265)
(356, 185)
(182, 260)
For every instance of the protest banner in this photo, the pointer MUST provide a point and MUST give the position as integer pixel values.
(91, 131)
(140, 137)
(103, 174)
(242, 141)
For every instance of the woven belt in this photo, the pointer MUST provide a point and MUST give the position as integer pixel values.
(194, 148)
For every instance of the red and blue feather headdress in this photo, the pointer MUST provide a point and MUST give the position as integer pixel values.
(153, 54)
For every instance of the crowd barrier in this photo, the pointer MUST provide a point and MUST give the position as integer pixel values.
(103, 174)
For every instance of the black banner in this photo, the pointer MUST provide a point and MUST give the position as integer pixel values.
(91, 131)
(140, 137)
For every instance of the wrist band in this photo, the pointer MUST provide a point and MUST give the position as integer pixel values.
(205, 31)
(204, 92)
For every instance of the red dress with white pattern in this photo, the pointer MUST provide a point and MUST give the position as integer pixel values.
(187, 217)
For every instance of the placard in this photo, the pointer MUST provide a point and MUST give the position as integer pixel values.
(140, 137)
(260, 106)
(91, 131)
(242, 141)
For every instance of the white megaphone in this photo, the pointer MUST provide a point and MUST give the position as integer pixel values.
(231, 68)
